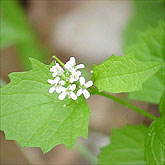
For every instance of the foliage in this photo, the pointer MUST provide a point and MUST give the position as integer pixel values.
(15, 30)
(123, 73)
(126, 146)
(155, 141)
(35, 118)
(150, 46)
(145, 14)
(136, 144)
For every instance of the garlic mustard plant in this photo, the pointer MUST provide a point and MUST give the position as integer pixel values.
(32, 115)
(67, 80)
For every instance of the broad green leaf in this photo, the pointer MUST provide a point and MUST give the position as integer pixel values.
(162, 105)
(126, 146)
(150, 46)
(16, 31)
(34, 117)
(123, 73)
(155, 143)
(145, 13)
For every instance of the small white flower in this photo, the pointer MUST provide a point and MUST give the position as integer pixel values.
(50, 81)
(57, 70)
(62, 83)
(68, 91)
(52, 89)
(80, 66)
(59, 87)
(74, 76)
(71, 64)
(83, 90)
(54, 83)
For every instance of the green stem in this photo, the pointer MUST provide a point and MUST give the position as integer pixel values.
(58, 60)
(141, 111)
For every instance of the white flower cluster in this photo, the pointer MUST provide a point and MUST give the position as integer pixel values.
(68, 81)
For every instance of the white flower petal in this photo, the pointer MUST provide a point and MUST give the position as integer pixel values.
(54, 74)
(80, 66)
(82, 81)
(89, 84)
(78, 73)
(60, 89)
(52, 89)
(86, 94)
(72, 87)
(57, 64)
(71, 80)
(77, 79)
(72, 70)
(60, 69)
(52, 69)
(50, 81)
(73, 96)
(62, 96)
(79, 92)
(56, 80)
(62, 82)
(72, 61)
(67, 65)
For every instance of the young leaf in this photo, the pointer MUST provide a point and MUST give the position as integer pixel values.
(36, 118)
(126, 146)
(150, 46)
(155, 143)
(123, 73)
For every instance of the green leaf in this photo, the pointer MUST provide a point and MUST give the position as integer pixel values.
(155, 143)
(126, 146)
(150, 46)
(162, 105)
(16, 31)
(36, 118)
(123, 73)
(145, 13)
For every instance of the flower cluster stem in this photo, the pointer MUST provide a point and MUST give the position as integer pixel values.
(107, 95)
(59, 61)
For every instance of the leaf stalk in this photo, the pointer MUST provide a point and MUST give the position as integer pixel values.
(120, 101)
